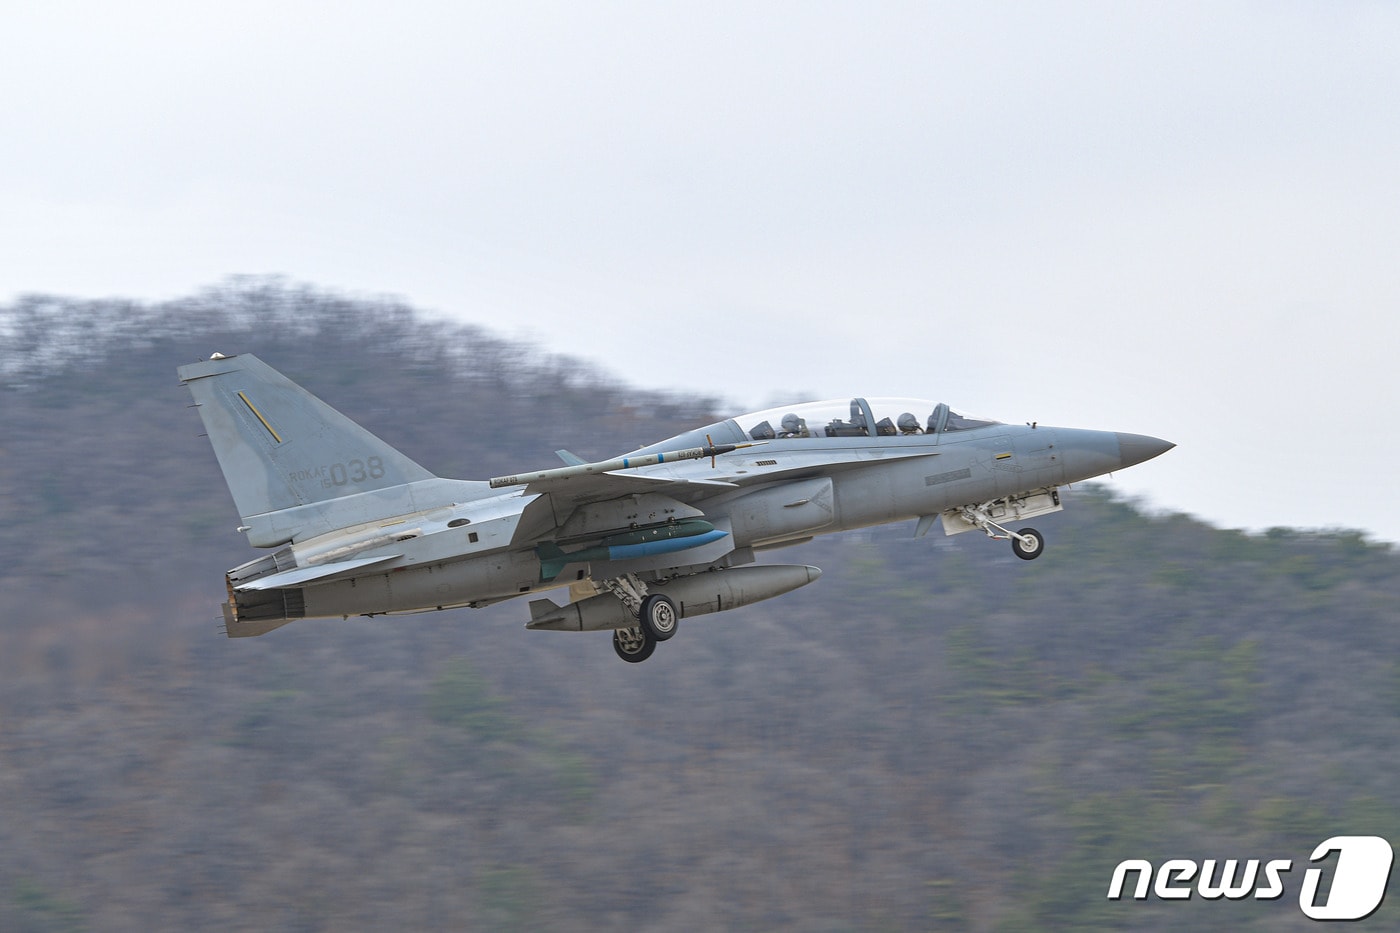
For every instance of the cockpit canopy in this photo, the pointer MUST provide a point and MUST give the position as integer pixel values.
(858, 417)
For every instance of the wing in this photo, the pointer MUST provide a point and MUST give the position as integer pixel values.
(579, 484)
(587, 482)
(314, 573)
(591, 487)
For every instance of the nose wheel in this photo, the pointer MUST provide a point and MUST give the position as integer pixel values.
(1027, 544)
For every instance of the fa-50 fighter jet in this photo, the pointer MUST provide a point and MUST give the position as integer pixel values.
(633, 544)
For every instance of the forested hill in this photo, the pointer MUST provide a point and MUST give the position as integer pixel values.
(101, 461)
(933, 736)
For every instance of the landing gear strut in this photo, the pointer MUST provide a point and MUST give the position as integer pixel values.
(657, 618)
(1027, 544)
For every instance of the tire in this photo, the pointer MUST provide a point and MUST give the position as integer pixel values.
(633, 651)
(658, 617)
(1032, 551)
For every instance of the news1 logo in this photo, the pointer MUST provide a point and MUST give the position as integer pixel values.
(1358, 881)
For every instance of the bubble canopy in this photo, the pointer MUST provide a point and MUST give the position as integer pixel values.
(857, 417)
(834, 418)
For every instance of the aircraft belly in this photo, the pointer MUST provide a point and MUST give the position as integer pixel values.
(907, 489)
(429, 586)
(694, 595)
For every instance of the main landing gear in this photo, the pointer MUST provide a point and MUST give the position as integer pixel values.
(657, 619)
(1027, 544)
(632, 644)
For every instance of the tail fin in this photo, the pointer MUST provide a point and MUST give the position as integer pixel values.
(282, 448)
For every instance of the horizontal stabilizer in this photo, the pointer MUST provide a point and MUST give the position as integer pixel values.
(316, 573)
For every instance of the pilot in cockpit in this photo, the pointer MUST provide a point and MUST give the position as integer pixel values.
(908, 424)
(793, 426)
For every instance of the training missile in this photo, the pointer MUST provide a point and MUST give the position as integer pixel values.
(617, 463)
(695, 595)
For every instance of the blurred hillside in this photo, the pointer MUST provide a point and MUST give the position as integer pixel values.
(934, 736)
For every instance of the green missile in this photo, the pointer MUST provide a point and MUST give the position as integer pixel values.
(626, 545)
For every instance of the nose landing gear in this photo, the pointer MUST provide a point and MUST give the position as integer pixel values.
(1027, 544)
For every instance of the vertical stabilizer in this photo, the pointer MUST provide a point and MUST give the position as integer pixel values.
(282, 448)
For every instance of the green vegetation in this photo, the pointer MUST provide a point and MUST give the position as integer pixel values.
(462, 698)
(38, 911)
(933, 736)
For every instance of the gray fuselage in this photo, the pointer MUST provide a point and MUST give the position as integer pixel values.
(783, 491)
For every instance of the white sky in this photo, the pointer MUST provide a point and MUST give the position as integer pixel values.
(1174, 219)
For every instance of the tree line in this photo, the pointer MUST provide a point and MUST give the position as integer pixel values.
(933, 736)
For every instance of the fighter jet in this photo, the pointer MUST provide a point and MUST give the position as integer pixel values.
(630, 545)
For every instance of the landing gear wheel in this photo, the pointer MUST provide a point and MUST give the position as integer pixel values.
(633, 644)
(658, 617)
(1027, 543)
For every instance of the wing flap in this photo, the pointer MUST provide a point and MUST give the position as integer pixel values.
(315, 573)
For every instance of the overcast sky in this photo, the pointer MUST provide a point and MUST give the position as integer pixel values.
(1173, 219)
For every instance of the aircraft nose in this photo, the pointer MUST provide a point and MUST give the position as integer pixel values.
(1136, 448)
